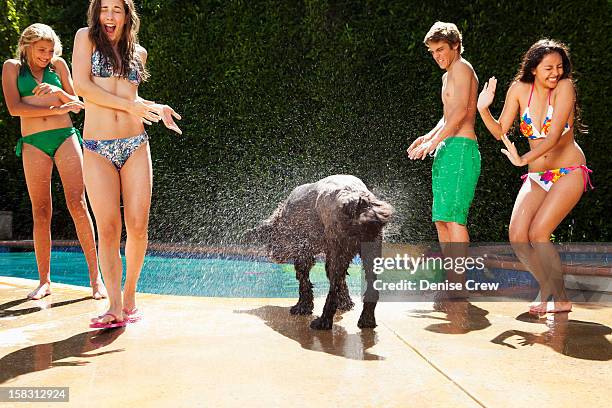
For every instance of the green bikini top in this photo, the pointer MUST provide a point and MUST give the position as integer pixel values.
(26, 81)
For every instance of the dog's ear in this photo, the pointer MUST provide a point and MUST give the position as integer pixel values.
(355, 205)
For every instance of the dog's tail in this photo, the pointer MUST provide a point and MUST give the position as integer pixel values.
(262, 233)
(258, 234)
(369, 213)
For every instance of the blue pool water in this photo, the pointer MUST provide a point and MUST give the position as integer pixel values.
(184, 276)
(207, 275)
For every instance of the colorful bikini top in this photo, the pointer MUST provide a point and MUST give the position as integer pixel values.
(527, 128)
(26, 81)
(103, 68)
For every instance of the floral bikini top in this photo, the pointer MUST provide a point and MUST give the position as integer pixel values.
(527, 128)
(102, 67)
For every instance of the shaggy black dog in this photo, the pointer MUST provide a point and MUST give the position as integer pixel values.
(339, 217)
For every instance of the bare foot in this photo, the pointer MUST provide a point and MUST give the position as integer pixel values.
(98, 290)
(538, 308)
(129, 300)
(559, 307)
(132, 315)
(44, 289)
(551, 307)
(108, 317)
(539, 305)
(537, 301)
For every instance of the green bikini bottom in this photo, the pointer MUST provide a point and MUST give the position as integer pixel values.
(48, 140)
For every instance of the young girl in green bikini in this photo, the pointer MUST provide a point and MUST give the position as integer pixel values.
(38, 88)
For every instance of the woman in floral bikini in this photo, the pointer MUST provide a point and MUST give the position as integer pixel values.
(557, 174)
(108, 66)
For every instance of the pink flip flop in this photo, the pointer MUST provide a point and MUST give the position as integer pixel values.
(133, 315)
(108, 325)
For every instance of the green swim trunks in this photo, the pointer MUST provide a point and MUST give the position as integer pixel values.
(454, 175)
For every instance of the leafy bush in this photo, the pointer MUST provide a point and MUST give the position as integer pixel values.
(275, 94)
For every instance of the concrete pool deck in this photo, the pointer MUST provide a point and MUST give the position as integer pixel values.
(196, 351)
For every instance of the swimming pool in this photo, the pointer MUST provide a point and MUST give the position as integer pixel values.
(185, 274)
(193, 274)
(206, 274)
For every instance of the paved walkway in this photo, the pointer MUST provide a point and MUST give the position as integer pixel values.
(191, 351)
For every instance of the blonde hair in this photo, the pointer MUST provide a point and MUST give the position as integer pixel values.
(37, 32)
(447, 32)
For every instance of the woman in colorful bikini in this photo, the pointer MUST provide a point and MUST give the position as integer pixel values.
(38, 88)
(544, 91)
(109, 65)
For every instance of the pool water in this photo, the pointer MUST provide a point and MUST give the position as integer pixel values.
(218, 277)
(214, 276)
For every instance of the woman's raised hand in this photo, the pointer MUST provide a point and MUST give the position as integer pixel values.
(485, 99)
(511, 153)
(167, 115)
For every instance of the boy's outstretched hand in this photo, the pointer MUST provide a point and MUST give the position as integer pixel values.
(422, 148)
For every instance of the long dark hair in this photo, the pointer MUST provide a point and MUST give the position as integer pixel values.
(532, 58)
(126, 46)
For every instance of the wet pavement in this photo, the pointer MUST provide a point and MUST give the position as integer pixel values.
(196, 351)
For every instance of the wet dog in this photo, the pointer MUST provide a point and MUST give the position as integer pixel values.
(338, 217)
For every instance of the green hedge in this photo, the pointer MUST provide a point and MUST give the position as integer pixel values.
(276, 93)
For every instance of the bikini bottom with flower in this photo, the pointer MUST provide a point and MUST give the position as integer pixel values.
(546, 179)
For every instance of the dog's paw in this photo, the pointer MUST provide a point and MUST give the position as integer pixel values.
(321, 324)
(366, 321)
(345, 303)
(302, 308)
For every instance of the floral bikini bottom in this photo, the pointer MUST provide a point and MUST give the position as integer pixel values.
(546, 179)
(117, 151)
